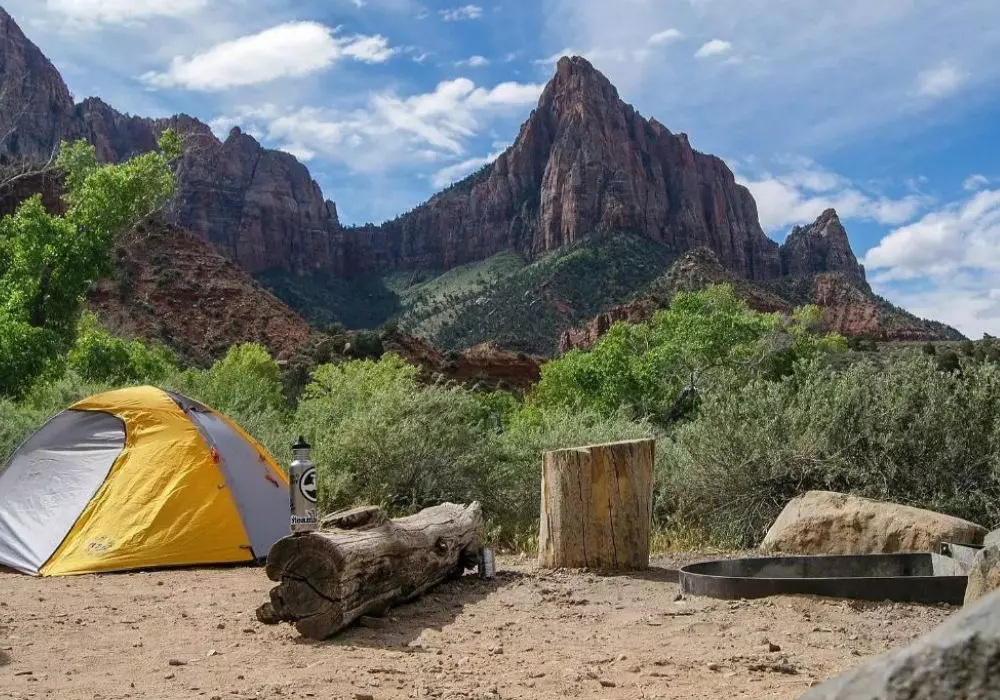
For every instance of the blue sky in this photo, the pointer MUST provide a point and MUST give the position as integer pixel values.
(888, 110)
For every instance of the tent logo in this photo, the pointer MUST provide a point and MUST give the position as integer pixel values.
(307, 484)
(100, 545)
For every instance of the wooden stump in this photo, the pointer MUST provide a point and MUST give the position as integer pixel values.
(362, 563)
(597, 507)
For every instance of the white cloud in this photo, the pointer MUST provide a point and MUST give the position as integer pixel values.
(802, 193)
(974, 183)
(714, 47)
(940, 81)
(453, 173)
(945, 265)
(667, 36)
(960, 235)
(459, 14)
(474, 62)
(287, 50)
(122, 11)
(419, 129)
(816, 74)
(965, 301)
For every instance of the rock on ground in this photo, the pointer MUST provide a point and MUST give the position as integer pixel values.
(824, 522)
(984, 574)
(956, 660)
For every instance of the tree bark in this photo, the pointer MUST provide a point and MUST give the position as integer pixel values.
(362, 563)
(597, 507)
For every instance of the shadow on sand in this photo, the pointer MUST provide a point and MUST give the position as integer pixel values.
(435, 610)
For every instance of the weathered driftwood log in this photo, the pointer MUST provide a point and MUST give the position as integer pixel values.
(597, 506)
(360, 563)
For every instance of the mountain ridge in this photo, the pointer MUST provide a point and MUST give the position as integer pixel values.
(584, 164)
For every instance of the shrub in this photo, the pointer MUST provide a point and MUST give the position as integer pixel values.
(907, 433)
(380, 437)
(98, 356)
(646, 367)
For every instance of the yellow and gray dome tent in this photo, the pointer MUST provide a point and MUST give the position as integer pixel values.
(138, 478)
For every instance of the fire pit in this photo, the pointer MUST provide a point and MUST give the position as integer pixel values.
(922, 577)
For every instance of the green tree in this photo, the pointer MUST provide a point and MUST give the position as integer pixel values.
(649, 367)
(98, 356)
(47, 262)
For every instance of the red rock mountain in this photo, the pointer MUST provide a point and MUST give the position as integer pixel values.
(584, 162)
(822, 246)
(259, 207)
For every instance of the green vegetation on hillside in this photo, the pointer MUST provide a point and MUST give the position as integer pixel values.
(523, 306)
(433, 305)
(325, 300)
(527, 310)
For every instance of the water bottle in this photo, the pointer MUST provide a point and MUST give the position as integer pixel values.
(302, 488)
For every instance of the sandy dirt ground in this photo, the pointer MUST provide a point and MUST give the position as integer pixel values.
(525, 634)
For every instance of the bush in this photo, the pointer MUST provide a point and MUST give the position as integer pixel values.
(646, 368)
(907, 433)
(381, 437)
(98, 356)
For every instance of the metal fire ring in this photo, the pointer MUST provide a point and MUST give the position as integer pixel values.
(923, 577)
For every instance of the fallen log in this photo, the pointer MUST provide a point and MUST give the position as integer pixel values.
(361, 563)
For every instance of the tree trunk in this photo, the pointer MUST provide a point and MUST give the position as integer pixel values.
(365, 563)
(597, 507)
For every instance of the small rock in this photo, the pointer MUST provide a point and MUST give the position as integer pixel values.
(176, 662)
(364, 696)
(169, 676)
(714, 667)
(605, 683)
(771, 646)
(213, 652)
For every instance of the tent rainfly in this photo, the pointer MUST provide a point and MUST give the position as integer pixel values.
(134, 479)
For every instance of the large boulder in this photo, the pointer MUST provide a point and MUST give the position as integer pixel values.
(992, 539)
(958, 659)
(823, 522)
(984, 574)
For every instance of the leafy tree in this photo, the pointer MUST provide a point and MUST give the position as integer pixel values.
(47, 261)
(98, 356)
(651, 367)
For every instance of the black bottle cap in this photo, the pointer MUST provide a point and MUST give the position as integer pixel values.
(301, 444)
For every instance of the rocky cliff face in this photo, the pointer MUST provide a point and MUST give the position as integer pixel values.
(584, 162)
(823, 246)
(259, 207)
(36, 109)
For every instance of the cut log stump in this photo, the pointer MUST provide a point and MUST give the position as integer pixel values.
(597, 507)
(362, 563)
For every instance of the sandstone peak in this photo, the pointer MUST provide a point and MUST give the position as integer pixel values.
(822, 246)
